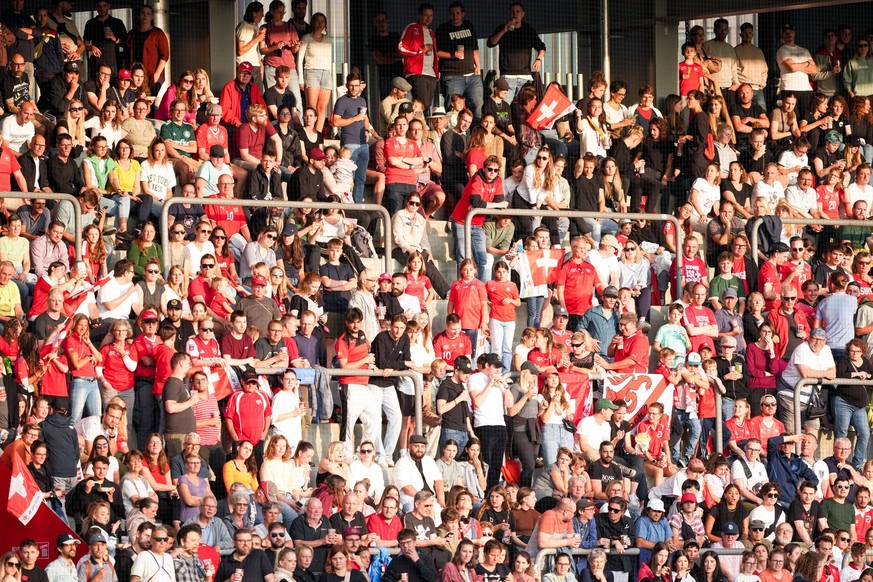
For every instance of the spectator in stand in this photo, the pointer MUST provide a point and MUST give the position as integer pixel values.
(516, 39)
(236, 93)
(629, 349)
(420, 56)
(811, 359)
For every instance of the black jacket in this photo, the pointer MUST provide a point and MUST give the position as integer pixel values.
(62, 443)
(55, 100)
(421, 571)
(29, 166)
(390, 355)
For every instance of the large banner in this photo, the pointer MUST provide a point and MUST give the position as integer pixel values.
(537, 268)
(639, 390)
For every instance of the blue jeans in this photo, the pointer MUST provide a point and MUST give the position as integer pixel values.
(84, 394)
(727, 409)
(459, 436)
(608, 226)
(554, 437)
(693, 424)
(534, 309)
(595, 227)
(361, 157)
(288, 514)
(845, 414)
(758, 97)
(394, 195)
(515, 84)
(502, 334)
(470, 86)
(477, 240)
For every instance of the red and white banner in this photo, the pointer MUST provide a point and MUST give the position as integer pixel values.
(638, 391)
(554, 106)
(578, 389)
(538, 268)
(25, 498)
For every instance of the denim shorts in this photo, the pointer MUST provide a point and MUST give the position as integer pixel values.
(317, 79)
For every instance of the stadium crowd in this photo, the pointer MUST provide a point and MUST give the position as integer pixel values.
(136, 384)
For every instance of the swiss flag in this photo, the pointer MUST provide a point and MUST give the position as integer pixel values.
(578, 389)
(538, 268)
(55, 343)
(72, 302)
(24, 495)
(554, 106)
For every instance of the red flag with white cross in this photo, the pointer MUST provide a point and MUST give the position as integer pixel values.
(553, 106)
(24, 494)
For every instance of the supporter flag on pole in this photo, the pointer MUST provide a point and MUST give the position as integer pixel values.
(72, 302)
(53, 344)
(538, 268)
(554, 106)
(24, 495)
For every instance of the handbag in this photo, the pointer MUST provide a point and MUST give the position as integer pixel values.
(568, 425)
(815, 409)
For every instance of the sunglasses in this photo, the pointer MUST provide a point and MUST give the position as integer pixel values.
(366, 451)
(413, 203)
(163, 539)
(207, 265)
(496, 169)
(205, 230)
(543, 158)
(178, 232)
(614, 510)
(271, 236)
(768, 404)
(773, 496)
(845, 539)
(219, 237)
(277, 534)
(76, 108)
(187, 80)
(789, 298)
(629, 249)
(13, 564)
(207, 329)
(153, 271)
(577, 345)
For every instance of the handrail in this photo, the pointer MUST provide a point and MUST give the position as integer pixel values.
(468, 221)
(337, 373)
(817, 382)
(212, 201)
(77, 210)
(756, 225)
(540, 561)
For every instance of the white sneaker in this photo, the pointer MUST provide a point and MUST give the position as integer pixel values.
(404, 453)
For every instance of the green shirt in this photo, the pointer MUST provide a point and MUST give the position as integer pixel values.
(181, 134)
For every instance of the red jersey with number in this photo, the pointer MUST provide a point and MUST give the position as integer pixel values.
(700, 316)
(579, 280)
(448, 349)
(830, 202)
(230, 217)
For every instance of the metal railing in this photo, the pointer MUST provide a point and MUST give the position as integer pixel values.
(540, 561)
(756, 226)
(798, 388)
(386, 222)
(337, 373)
(468, 221)
(77, 210)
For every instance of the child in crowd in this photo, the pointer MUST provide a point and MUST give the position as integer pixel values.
(726, 279)
(691, 74)
(673, 335)
(343, 170)
(706, 403)
(222, 303)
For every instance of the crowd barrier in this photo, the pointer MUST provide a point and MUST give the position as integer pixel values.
(77, 210)
(386, 222)
(540, 561)
(798, 388)
(757, 222)
(468, 221)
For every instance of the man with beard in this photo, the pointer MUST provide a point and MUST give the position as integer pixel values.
(184, 328)
(251, 138)
(108, 34)
(187, 563)
(453, 144)
(259, 309)
(62, 90)
(64, 567)
(417, 472)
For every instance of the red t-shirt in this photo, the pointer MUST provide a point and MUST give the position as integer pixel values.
(353, 348)
(761, 432)
(700, 316)
(693, 271)
(689, 77)
(830, 202)
(417, 287)
(561, 337)
(657, 433)
(805, 275)
(477, 186)
(543, 360)
(738, 433)
(706, 402)
(39, 301)
(199, 287)
(163, 355)
(386, 531)
(740, 272)
(467, 298)
(768, 273)
(206, 138)
(114, 369)
(395, 149)
(8, 166)
(475, 157)
(248, 411)
(579, 280)
(232, 218)
(497, 292)
(254, 139)
(636, 347)
(74, 345)
(448, 349)
(54, 382)
(145, 347)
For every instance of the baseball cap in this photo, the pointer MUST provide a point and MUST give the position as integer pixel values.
(417, 439)
(97, 538)
(501, 84)
(787, 26)
(728, 341)
(174, 304)
(369, 274)
(244, 67)
(686, 497)
(693, 359)
(385, 277)
(730, 528)
(124, 74)
(463, 364)
(405, 107)
(249, 377)
(352, 531)
(729, 292)
(559, 311)
(290, 229)
(610, 292)
(213, 109)
(67, 538)
(604, 403)
(259, 280)
(779, 247)
(71, 67)
(757, 524)
(316, 154)
(401, 83)
(493, 360)
(655, 505)
(150, 315)
(530, 367)
(216, 151)
(610, 241)
(855, 140)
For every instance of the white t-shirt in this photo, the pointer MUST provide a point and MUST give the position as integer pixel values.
(196, 254)
(759, 473)
(490, 413)
(803, 201)
(161, 179)
(109, 292)
(793, 81)
(15, 134)
(788, 159)
(854, 193)
(707, 195)
(245, 32)
(592, 433)
(771, 194)
(283, 402)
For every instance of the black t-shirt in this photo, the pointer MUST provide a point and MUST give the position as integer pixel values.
(588, 193)
(752, 165)
(501, 112)
(722, 514)
(255, 566)
(515, 49)
(499, 574)
(17, 89)
(605, 475)
(656, 153)
(827, 159)
(273, 97)
(300, 530)
(423, 527)
(387, 45)
(753, 110)
(741, 195)
(179, 422)
(855, 395)
(810, 518)
(35, 575)
(448, 38)
(183, 333)
(456, 418)
(44, 325)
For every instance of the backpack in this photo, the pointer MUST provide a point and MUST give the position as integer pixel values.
(362, 242)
